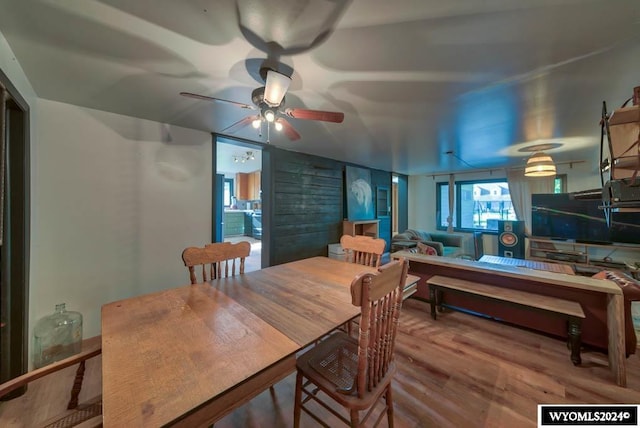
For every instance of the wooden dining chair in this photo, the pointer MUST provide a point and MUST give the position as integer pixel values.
(221, 259)
(87, 414)
(363, 250)
(356, 373)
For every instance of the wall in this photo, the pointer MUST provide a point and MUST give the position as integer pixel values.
(13, 70)
(307, 204)
(422, 193)
(116, 201)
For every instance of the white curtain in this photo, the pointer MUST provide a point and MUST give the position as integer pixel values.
(521, 188)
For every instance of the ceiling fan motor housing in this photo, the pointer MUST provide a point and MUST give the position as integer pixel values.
(257, 96)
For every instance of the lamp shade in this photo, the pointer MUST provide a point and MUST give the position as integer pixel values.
(275, 88)
(540, 164)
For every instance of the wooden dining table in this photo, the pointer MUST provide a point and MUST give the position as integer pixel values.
(187, 356)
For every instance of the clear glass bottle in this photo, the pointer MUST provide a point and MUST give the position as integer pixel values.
(57, 336)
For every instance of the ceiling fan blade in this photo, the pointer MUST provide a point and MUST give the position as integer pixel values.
(289, 130)
(219, 100)
(240, 124)
(326, 116)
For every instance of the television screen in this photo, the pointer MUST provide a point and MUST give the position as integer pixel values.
(560, 216)
(625, 227)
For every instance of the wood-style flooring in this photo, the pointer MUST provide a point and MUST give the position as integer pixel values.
(457, 371)
(254, 261)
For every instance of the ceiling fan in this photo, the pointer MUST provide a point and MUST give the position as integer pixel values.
(269, 101)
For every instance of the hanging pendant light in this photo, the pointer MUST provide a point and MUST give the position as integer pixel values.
(540, 164)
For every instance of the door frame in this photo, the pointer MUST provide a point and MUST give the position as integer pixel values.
(218, 202)
(15, 250)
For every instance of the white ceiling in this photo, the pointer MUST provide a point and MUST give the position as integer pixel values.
(415, 78)
(227, 152)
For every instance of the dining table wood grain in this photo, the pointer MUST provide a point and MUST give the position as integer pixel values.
(187, 356)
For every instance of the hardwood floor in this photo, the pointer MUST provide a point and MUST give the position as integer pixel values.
(457, 371)
(254, 261)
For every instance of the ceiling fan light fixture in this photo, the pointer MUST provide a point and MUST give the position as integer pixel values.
(269, 115)
(275, 88)
(540, 164)
(278, 126)
(256, 123)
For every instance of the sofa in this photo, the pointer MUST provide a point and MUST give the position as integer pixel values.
(446, 244)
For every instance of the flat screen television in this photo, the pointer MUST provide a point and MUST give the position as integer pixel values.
(625, 227)
(560, 216)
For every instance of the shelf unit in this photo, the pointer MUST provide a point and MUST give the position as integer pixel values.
(382, 202)
(601, 256)
(361, 227)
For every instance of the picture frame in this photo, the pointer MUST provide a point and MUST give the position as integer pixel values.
(359, 194)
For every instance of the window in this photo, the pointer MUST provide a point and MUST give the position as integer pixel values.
(228, 191)
(479, 204)
(560, 184)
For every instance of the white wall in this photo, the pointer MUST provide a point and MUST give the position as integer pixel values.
(114, 201)
(117, 200)
(10, 66)
(422, 193)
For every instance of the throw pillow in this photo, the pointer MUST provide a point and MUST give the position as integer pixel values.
(426, 249)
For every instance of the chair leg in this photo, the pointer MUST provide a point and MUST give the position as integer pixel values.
(389, 400)
(355, 418)
(298, 401)
(77, 386)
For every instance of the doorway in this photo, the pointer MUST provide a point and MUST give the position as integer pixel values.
(238, 196)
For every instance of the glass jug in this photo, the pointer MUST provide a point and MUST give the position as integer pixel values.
(57, 336)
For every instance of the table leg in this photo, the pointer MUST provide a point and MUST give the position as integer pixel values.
(617, 349)
(575, 333)
(432, 301)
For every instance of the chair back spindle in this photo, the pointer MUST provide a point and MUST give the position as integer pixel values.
(380, 299)
(363, 250)
(217, 260)
(356, 373)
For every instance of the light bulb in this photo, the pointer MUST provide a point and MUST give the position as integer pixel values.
(256, 123)
(278, 126)
(269, 115)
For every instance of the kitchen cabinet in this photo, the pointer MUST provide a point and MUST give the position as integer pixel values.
(254, 186)
(248, 186)
(234, 223)
(242, 179)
